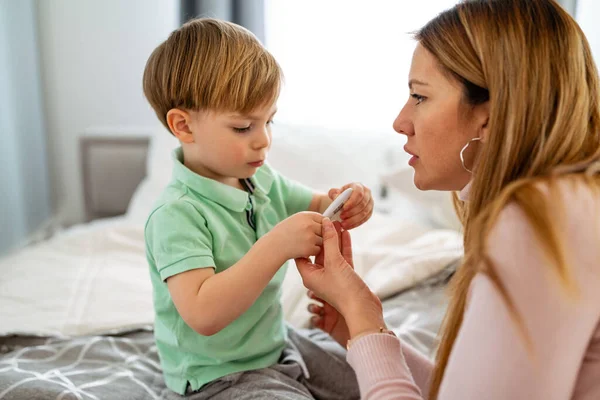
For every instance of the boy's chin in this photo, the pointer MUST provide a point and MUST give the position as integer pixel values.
(248, 173)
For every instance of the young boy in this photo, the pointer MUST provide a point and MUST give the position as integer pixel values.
(221, 233)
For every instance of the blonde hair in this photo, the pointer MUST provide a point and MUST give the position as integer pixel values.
(209, 64)
(532, 62)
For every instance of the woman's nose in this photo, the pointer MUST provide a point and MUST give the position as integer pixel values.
(403, 124)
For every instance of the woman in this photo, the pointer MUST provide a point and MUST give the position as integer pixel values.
(504, 107)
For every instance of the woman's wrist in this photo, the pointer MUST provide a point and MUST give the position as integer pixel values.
(364, 314)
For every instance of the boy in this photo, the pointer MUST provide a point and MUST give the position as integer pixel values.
(221, 231)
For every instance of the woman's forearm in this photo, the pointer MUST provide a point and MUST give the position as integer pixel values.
(363, 314)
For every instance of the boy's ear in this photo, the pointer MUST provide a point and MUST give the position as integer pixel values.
(179, 122)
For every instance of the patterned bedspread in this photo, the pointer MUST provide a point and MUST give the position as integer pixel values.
(126, 367)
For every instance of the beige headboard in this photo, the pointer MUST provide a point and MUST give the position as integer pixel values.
(112, 167)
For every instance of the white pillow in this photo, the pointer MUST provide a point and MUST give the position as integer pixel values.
(323, 158)
(159, 164)
(437, 205)
(159, 167)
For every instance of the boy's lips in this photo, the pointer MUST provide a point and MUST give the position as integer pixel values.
(256, 163)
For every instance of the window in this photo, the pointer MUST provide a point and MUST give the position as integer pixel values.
(587, 13)
(346, 62)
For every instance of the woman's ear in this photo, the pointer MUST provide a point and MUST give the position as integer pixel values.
(482, 115)
(179, 122)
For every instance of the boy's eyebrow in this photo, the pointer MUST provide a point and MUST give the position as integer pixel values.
(416, 82)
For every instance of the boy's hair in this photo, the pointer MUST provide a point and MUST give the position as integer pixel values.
(209, 64)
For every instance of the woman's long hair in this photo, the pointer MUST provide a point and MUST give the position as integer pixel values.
(532, 62)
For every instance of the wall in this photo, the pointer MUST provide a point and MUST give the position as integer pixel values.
(24, 189)
(93, 56)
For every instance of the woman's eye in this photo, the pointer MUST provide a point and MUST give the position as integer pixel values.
(242, 130)
(417, 97)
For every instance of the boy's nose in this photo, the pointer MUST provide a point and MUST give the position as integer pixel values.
(262, 140)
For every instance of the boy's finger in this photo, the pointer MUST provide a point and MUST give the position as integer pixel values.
(351, 212)
(356, 197)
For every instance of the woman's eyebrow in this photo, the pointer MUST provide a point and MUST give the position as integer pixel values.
(416, 82)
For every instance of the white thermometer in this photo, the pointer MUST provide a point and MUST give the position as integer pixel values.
(335, 208)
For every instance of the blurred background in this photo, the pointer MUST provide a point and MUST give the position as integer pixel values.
(72, 68)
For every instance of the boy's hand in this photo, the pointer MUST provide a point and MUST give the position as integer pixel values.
(359, 207)
(298, 236)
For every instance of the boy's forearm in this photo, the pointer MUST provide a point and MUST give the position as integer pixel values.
(225, 296)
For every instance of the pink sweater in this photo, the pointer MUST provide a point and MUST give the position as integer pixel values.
(490, 359)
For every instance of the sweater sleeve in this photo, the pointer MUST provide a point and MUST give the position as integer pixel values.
(493, 358)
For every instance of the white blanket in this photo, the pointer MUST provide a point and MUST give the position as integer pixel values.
(94, 278)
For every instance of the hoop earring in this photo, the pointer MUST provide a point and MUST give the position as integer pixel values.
(462, 158)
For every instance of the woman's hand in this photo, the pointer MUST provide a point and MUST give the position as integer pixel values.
(325, 316)
(332, 278)
(328, 319)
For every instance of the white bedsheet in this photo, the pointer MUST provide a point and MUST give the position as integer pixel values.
(94, 278)
(89, 279)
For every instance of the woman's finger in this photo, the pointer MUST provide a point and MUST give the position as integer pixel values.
(347, 248)
(330, 242)
(305, 266)
(315, 309)
(316, 322)
(338, 230)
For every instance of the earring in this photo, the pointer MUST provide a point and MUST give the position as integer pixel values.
(462, 158)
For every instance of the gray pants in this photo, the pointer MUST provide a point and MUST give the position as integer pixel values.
(312, 366)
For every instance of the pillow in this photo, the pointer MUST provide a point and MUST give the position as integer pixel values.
(437, 205)
(159, 168)
(159, 164)
(323, 158)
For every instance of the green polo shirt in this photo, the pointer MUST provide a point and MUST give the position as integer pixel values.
(196, 223)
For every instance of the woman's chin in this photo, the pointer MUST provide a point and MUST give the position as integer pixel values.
(420, 183)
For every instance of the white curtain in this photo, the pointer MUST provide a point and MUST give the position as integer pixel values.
(24, 191)
(569, 5)
(588, 13)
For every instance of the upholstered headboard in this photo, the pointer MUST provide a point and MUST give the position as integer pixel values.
(112, 167)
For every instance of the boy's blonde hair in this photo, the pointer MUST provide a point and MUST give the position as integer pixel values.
(209, 64)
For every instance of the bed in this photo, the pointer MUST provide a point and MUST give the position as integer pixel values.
(76, 309)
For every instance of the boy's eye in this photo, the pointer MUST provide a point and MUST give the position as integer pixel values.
(417, 97)
(242, 130)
